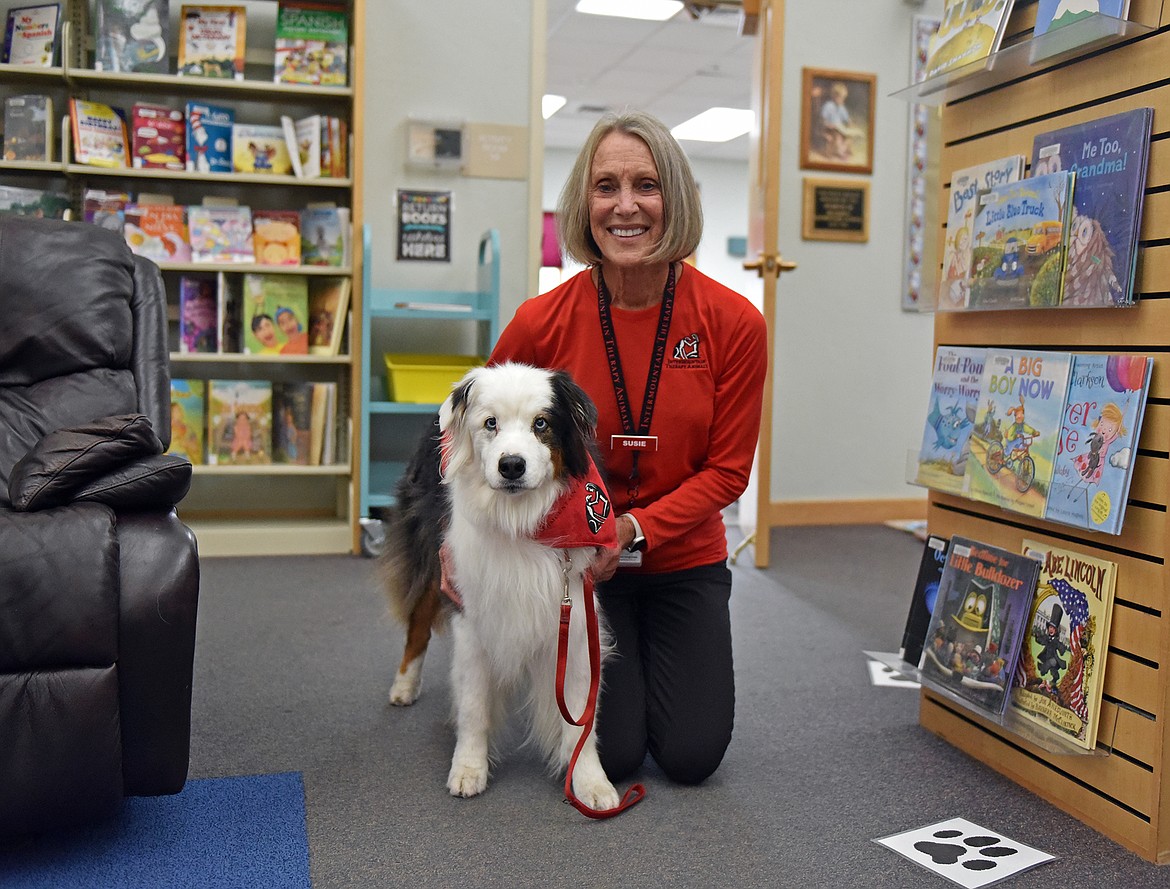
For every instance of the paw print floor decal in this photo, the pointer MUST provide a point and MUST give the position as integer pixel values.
(965, 853)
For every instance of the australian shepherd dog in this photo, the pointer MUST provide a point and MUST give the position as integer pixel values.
(508, 443)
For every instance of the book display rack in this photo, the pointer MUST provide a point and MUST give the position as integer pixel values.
(1124, 794)
(268, 508)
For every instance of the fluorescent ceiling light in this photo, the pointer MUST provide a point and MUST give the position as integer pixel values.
(650, 10)
(550, 105)
(716, 125)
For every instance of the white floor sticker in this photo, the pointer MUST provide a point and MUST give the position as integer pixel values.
(965, 853)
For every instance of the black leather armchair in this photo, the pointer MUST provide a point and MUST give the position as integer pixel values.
(99, 579)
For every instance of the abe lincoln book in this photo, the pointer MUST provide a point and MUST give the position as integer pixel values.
(1061, 671)
(950, 417)
(977, 626)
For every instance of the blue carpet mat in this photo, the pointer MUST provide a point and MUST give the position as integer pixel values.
(219, 832)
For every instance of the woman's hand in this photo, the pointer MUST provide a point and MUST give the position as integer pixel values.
(606, 561)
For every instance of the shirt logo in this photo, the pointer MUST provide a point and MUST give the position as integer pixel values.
(687, 348)
(596, 507)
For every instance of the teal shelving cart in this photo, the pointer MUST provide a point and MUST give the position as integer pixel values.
(389, 428)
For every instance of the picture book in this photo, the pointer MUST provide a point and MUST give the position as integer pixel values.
(1108, 156)
(1019, 243)
(220, 234)
(303, 138)
(323, 433)
(230, 313)
(950, 417)
(1053, 14)
(312, 44)
(158, 137)
(292, 412)
(260, 148)
(239, 414)
(970, 31)
(967, 187)
(99, 134)
(1098, 441)
(132, 36)
(188, 419)
(211, 41)
(1061, 672)
(105, 208)
(930, 568)
(322, 236)
(209, 138)
(276, 312)
(1017, 428)
(18, 201)
(198, 314)
(328, 305)
(978, 623)
(28, 128)
(276, 237)
(158, 232)
(31, 35)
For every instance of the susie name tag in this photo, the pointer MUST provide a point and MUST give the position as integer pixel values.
(637, 443)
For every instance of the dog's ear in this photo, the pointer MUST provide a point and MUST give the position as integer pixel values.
(578, 442)
(456, 449)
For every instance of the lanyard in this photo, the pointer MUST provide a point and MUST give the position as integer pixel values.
(654, 375)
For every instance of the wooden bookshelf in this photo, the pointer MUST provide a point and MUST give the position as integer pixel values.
(1125, 794)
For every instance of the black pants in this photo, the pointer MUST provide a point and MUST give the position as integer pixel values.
(670, 687)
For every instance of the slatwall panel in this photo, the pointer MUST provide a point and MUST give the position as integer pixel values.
(1125, 794)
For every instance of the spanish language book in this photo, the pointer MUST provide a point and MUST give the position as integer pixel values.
(31, 35)
(1017, 428)
(1061, 672)
(954, 400)
(1098, 442)
(1109, 157)
(978, 624)
(1019, 239)
(312, 44)
(967, 187)
(970, 31)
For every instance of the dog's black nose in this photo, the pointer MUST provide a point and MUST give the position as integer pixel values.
(512, 467)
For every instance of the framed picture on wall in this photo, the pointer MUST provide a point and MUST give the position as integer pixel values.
(836, 120)
(835, 210)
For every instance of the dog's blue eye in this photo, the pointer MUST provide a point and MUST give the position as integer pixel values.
(490, 424)
(540, 424)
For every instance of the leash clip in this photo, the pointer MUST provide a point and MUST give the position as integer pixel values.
(565, 568)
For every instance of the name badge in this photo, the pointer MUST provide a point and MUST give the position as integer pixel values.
(629, 559)
(636, 443)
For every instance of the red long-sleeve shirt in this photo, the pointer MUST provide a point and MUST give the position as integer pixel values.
(706, 418)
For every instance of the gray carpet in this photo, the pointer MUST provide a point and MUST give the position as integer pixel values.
(294, 660)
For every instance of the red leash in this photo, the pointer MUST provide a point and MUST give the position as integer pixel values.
(637, 792)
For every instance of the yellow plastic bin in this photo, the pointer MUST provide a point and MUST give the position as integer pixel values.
(425, 379)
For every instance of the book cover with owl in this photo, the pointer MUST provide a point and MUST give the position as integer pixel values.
(1109, 157)
(977, 626)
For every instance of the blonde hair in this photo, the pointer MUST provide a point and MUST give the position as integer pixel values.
(682, 211)
(1113, 413)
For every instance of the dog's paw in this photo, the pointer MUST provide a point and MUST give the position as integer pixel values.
(404, 691)
(467, 779)
(595, 791)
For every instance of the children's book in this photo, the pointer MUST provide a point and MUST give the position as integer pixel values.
(106, 209)
(1053, 14)
(99, 134)
(220, 234)
(954, 400)
(1109, 157)
(970, 31)
(1019, 243)
(1098, 441)
(1017, 428)
(230, 313)
(276, 313)
(28, 128)
(132, 35)
(260, 148)
(198, 314)
(276, 236)
(292, 413)
(17, 201)
(240, 421)
(328, 305)
(323, 436)
(209, 138)
(1061, 671)
(31, 35)
(158, 232)
(211, 41)
(303, 138)
(930, 568)
(312, 44)
(322, 236)
(967, 187)
(158, 137)
(188, 419)
(978, 623)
